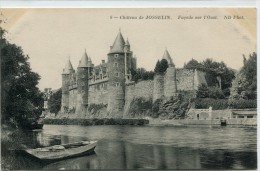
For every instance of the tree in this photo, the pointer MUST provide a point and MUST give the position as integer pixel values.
(21, 100)
(54, 102)
(213, 71)
(164, 65)
(161, 66)
(142, 74)
(193, 64)
(245, 84)
(157, 67)
(216, 93)
(203, 91)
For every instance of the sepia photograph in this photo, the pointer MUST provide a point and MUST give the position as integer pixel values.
(128, 88)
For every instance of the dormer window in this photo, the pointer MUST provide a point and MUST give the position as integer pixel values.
(117, 84)
(117, 74)
(116, 55)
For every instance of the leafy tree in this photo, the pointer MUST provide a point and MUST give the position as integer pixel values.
(161, 66)
(21, 100)
(54, 103)
(203, 91)
(164, 65)
(142, 74)
(157, 67)
(193, 64)
(245, 84)
(213, 71)
(216, 93)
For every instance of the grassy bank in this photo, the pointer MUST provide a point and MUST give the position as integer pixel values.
(14, 139)
(89, 122)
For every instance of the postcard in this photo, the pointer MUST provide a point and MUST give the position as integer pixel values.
(129, 88)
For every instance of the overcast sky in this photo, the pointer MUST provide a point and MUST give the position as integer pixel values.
(49, 36)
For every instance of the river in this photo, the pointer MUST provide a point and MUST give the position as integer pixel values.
(152, 147)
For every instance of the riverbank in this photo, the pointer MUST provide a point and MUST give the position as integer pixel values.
(95, 121)
(182, 122)
(11, 140)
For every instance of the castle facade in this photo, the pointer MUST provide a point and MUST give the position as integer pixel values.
(110, 83)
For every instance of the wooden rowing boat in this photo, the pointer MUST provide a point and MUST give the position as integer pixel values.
(60, 152)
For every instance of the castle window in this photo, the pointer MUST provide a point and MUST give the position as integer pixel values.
(117, 84)
(117, 74)
(116, 64)
(116, 55)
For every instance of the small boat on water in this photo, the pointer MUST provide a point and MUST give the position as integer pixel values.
(60, 152)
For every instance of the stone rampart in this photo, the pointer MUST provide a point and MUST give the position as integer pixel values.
(98, 93)
(185, 79)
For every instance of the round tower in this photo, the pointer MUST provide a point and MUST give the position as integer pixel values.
(66, 75)
(116, 71)
(158, 87)
(170, 84)
(82, 83)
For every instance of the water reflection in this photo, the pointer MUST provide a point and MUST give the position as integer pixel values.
(133, 147)
(121, 155)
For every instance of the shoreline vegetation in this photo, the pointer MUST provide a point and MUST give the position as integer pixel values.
(96, 121)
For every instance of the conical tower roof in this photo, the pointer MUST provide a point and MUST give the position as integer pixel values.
(127, 43)
(84, 61)
(119, 43)
(68, 68)
(167, 56)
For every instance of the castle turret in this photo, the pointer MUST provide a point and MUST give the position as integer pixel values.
(158, 87)
(117, 70)
(170, 84)
(66, 75)
(83, 71)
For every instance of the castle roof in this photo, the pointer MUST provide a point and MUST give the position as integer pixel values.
(127, 43)
(84, 62)
(167, 56)
(68, 68)
(119, 43)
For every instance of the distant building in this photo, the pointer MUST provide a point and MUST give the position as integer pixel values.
(110, 83)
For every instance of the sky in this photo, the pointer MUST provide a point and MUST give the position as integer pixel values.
(51, 36)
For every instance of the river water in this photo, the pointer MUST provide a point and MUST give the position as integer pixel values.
(153, 147)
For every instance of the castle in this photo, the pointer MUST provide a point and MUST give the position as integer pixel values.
(110, 83)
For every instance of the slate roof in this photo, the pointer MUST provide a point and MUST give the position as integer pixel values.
(84, 61)
(167, 56)
(119, 43)
(68, 68)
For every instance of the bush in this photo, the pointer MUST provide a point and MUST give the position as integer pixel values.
(221, 104)
(140, 105)
(242, 104)
(94, 108)
(216, 93)
(203, 91)
(216, 104)
(96, 121)
(156, 108)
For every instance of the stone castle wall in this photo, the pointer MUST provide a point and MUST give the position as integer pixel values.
(185, 79)
(73, 98)
(98, 93)
(158, 89)
(199, 78)
(142, 89)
